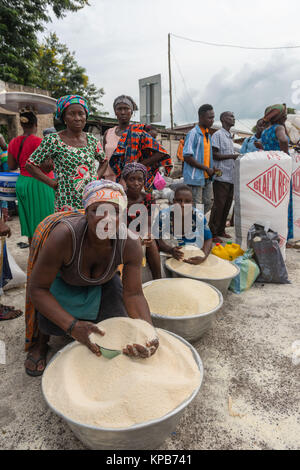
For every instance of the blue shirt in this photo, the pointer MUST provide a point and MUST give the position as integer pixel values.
(193, 146)
(248, 145)
(197, 234)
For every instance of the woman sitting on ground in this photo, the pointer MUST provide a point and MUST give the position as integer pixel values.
(73, 279)
(135, 176)
(199, 233)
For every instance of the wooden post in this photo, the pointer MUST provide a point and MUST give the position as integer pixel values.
(170, 81)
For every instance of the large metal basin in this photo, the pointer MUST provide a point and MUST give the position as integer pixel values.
(221, 284)
(189, 327)
(148, 435)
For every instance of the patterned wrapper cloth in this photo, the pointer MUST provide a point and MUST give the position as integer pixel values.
(132, 145)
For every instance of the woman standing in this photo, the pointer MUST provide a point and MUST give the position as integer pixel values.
(35, 199)
(136, 145)
(124, 106)
(73, 152)
(276, 138)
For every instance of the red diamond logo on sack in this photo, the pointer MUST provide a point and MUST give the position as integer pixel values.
(272, 185)
(282, 241)
(296, 182)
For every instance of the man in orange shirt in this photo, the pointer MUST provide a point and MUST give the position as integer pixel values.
(198, 158)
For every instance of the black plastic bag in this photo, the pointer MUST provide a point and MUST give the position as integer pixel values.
(267, 254)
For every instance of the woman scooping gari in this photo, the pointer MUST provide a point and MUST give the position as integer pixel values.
(73, 280)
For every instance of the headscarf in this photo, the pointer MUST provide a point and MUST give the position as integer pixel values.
(132, 168)
(65, 101)
(126, 100)
(104, 191)
(274, 112)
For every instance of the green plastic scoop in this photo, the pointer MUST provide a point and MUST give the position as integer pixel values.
(109, 353)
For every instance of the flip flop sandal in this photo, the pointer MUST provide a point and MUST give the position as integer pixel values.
(5, 310)
(35, 373)
(23, 245)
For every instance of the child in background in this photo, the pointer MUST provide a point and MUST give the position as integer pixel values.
(199, 233)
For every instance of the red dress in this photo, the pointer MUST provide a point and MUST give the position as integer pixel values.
(31, 143)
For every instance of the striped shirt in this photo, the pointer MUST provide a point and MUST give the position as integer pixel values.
(222, 140)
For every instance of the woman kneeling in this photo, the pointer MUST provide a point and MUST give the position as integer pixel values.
(73, 279)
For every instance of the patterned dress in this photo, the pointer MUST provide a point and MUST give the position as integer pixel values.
(132, 145)
(75, 167)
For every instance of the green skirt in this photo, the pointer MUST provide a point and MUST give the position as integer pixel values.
(35, 203)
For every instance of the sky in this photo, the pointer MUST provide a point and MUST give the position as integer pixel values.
(120, 42)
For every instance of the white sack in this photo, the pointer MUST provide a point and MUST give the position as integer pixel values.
(262, 191)
(18, 276)
(296, 195)
(293, 127)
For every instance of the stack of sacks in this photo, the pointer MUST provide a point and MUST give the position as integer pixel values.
(261, 194)
(296, 194)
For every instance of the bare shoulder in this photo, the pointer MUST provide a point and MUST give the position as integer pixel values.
(133, 250)
(59, 243)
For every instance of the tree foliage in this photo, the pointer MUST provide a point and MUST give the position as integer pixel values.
(50, 65)
(20, 21)
(60, 73)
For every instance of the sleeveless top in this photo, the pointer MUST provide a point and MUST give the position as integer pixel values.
(269, 138)
(71, 273)
(112, 140)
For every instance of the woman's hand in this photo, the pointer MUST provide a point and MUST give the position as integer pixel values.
(54, 184)
(81, 332)
(195, 260)
(177, 253)
(137, 350)
(47, 166)
(103, 165)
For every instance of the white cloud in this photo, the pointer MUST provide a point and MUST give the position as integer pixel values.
(119, 42)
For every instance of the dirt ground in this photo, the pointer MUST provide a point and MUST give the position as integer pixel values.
(250, 396)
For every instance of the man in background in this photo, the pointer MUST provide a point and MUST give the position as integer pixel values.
(198, 158)
(253, 143)
(224, 157)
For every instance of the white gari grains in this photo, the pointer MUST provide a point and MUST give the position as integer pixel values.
(121, 392)
(180, 297)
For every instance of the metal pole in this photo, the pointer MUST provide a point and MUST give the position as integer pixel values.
(148, 103)
(170, 81)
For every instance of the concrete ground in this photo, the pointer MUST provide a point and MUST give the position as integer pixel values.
(250, 394)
